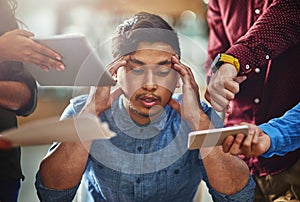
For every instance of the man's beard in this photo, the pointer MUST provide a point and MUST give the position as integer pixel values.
(132, 109)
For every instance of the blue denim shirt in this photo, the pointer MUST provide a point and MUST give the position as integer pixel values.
(143, 163)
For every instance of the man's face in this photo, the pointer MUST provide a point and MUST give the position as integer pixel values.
(148, 79)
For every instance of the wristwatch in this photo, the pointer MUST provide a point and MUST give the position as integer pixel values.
(224, 58)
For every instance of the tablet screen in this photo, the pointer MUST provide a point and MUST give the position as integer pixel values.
(83, 65)
(213, 137)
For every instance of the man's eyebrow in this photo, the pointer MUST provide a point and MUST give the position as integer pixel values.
(165, 62)
(133, 60)
(136, 61)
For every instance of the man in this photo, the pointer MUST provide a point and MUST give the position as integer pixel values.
(255, 48)
(18, 91)
(148, 159)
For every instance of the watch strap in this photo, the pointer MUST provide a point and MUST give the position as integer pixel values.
(231, 60)
(224, 58)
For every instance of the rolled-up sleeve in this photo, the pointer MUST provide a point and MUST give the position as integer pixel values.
(246, 194)
(45, 194)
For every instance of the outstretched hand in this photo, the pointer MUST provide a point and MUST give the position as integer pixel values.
(255, 143)
(100, 98)
(16, 45)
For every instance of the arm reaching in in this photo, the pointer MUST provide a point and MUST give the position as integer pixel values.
(16, 45)
(255, 143)
(278, 136)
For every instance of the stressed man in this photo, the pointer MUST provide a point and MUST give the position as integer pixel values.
(148, 159)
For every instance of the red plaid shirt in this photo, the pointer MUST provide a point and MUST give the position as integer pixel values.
(265, 36)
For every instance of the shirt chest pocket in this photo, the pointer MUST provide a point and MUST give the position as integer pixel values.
(105, 180)
(184, 175)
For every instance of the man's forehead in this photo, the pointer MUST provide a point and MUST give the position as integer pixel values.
(155, 47)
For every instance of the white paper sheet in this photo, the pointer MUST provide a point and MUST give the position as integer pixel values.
(49, 130)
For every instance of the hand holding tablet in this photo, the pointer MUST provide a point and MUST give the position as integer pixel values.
(83, 66)
(213, 137)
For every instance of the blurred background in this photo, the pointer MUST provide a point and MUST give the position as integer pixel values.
(97, 19)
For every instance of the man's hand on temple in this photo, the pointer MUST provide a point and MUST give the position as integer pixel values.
(100, 98)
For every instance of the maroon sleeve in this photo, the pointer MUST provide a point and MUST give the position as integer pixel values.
(217, 40)
(276, 30)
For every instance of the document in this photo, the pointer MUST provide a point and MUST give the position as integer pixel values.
(49, 130)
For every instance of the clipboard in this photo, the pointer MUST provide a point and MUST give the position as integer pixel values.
(50, 130)
(213, 137)
(83, 65)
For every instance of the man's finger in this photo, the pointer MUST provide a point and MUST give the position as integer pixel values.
(23, 32)
(240, 79)
(227, 143)
(175, 105)
(115, 94)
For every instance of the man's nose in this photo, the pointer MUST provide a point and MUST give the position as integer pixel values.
(149, 81)
(150, 86)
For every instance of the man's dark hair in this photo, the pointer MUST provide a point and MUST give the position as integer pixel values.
(143, 27)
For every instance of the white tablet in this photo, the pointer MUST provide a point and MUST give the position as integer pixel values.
(83, 65)
(213, 137)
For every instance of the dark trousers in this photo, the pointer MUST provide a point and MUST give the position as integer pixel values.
(9, 190)
(285, 185)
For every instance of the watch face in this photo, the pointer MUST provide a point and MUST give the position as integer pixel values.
(216, 63)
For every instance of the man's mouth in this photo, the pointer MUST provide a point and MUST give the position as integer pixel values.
(148, 100)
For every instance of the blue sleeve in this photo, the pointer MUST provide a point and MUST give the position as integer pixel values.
(245, 195)
(75, 106)
(284, 133)
(50, 195)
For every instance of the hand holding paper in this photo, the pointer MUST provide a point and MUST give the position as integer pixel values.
(49, 130)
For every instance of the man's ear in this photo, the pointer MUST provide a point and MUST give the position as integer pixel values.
(178, 81)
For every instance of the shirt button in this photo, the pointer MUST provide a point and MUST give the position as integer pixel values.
(267, 57)
(257, 11)
(256, 100)
(138, 181)
(247, 67)
(140, 148)
(257, 70)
